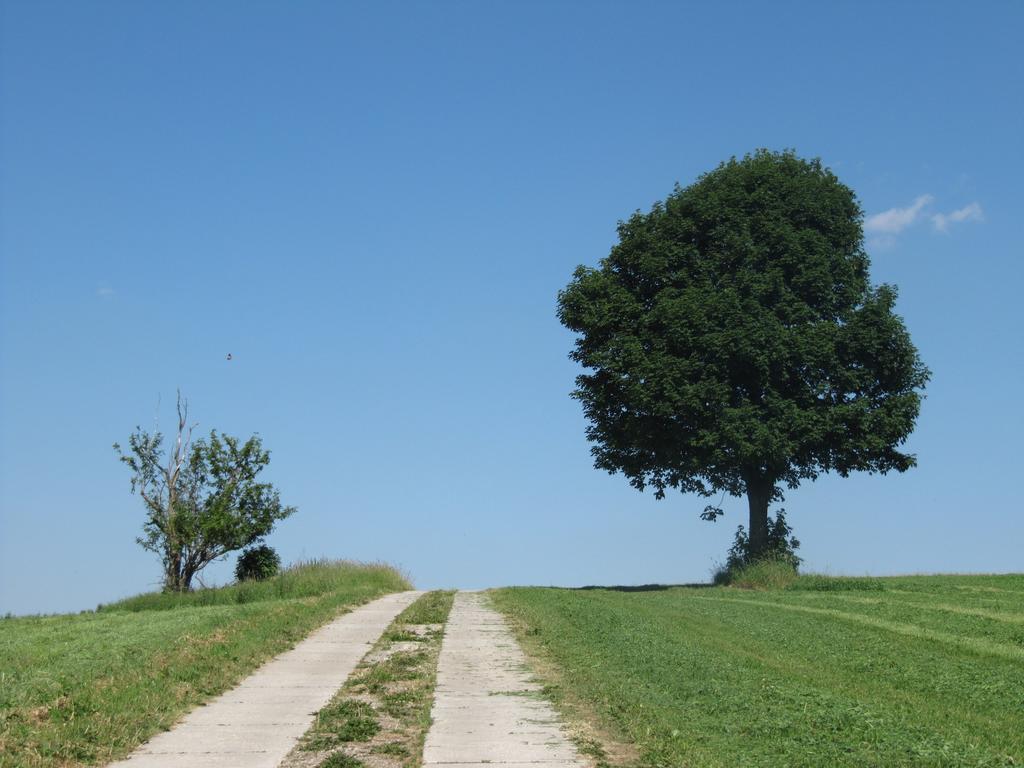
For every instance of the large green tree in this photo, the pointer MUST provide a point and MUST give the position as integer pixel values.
(203, 500)
(735, 343)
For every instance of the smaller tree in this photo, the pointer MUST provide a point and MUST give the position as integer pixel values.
(204, 502)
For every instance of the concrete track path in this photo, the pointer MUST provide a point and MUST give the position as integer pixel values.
(257, 723)
(487, 712)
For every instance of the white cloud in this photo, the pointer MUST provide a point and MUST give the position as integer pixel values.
(971, 212)
(104, 291)
(883, 227)
(895, 220)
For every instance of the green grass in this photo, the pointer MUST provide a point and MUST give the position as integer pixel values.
(915, 671)
(87, 688)
(432, 608)
(341, 721)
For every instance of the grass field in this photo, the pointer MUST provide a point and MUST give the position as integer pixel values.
(86, 688)
(922, 671)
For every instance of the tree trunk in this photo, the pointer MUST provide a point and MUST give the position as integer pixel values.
(759, 493)
(187, 573)
(173, 574)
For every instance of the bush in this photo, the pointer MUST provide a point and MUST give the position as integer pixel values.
(774, 568)
(781, 546)
(257, 564)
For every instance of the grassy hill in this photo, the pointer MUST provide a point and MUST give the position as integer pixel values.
(915, 671)
(838, 672)
(87, 688)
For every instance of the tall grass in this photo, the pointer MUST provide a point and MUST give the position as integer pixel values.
(769, 573)
(310, 578)
(779, 573)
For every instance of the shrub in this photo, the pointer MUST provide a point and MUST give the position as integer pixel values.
(257, 564)
(781, 546)
(775, 567)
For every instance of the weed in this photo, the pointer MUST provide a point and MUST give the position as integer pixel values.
(340, 760)
(395, 748)
(398, 704)
(349, 720)
(403, 636)
(395, 668)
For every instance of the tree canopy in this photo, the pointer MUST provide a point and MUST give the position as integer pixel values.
(735, 343)
(204, 502)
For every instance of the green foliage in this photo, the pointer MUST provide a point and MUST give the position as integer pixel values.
(257, 563)
(204, 502)
(735, 342)
(88, 688)
(780, 545)
(927, 672)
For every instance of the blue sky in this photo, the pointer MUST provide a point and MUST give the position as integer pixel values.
(372, 207)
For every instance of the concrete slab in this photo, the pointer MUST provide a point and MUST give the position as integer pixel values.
(257, 723)
(207, 760)
(487, 711)
(223, 739)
